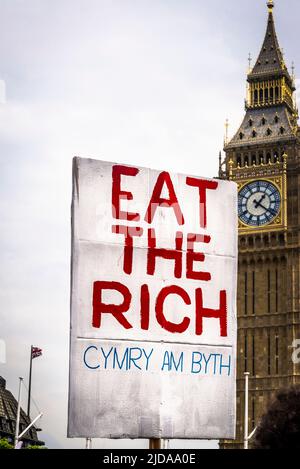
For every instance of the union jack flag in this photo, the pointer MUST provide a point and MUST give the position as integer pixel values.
(36, 352)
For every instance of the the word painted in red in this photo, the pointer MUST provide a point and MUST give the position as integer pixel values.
(163, 181)
(118, 310)
(154, 252)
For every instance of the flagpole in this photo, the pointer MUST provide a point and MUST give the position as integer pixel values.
(18, 413)
(29, 389)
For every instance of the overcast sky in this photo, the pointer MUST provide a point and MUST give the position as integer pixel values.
(145, 82)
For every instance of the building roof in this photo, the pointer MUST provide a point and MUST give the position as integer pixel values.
(8, 417)
(263, 126)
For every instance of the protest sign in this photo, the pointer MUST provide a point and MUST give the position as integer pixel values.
(153, 304)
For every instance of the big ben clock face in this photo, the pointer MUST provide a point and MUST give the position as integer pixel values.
(259, 203)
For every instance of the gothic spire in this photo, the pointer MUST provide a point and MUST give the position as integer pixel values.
(271, 111)
(270, 60)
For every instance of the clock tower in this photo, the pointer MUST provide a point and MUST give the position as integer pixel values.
(263, 158)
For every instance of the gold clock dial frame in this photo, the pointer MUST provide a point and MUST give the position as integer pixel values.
(279, 222)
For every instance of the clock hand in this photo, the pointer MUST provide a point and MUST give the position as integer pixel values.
(266, 209)
(258, 203)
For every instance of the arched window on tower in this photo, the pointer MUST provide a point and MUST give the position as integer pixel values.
(268, 157)
(281, 240)
(276, 119)
(254, 133)
(250, 122)
(263, 121)
(261, 95)
(255, 96)
(253, 159)
(241, 135)
(246, 160)
(275, 157)
(276, 93)
(277, 353)
(269, 352)
(282, 129)
(271, 94)
(243, 242)
(238, 161)
(261, 158)
(269, 290)
(257, 241)
(275, 261)
(266, 95)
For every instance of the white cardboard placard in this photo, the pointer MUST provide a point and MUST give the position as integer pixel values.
(153, 324)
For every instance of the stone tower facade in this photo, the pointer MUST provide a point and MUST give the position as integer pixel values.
(263, 158)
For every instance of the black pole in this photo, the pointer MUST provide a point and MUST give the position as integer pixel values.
(29, 389)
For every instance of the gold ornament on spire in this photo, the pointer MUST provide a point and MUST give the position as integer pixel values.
(293, 71)
(226, 131)
(249, 62)
(270, 5)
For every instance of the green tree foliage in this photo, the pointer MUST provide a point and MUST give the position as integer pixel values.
(36, 447)
(4, 444)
